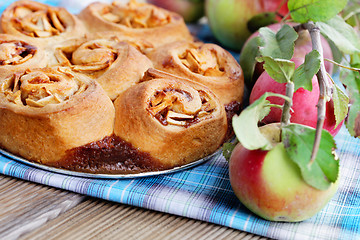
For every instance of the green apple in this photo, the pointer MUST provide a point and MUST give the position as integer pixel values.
(270, 184)
(228, 19)
(190, 10)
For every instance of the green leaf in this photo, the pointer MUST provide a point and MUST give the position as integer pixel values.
(305, 72)
(352, 81)
(298, 141)
(303, 11)
(337, 54)
(227, 149)
(341, 103)
(248, 59)
(341, 34)
(351, 13)
(353, 120)
(355, 60)
(261, 20)
(280, 44)
(246, 124)
(281, 70)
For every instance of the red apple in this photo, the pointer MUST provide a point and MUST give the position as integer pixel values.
(228, 19)
(270, 184)
(190, 10)
(303, 46)
(304, 102)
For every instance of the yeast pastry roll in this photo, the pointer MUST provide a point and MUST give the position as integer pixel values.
(40, 22)
(175, 122)
(17, 54)
(115, 64)
(46, 112)
(205, 63)
(230, 109)
(138, 20)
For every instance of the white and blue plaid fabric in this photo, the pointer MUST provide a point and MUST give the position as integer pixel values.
(204, 192)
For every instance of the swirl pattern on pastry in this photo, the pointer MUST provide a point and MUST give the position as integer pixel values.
(231, 108)
(17, 54)
(54, 110)
(138, 20)
(181, 108)
(175, 122)
(31, 19)
(205, 63)
(115, 64)
(39, 88)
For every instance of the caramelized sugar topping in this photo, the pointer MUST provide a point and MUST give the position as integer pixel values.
(109, 155)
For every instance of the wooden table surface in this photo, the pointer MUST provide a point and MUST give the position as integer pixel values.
(33, 211)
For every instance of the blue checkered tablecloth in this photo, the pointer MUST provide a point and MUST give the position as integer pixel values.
(204, 192)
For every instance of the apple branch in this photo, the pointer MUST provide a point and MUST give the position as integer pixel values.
(285, 116)
(324, 88)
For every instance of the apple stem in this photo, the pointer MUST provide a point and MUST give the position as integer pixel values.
(343, 66)
(279, 7)
(324, 88)
(285, 116)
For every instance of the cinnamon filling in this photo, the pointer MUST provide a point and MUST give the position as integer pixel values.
(15, 52)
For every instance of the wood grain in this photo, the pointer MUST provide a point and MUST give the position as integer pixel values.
(33, 211)
(26, 206)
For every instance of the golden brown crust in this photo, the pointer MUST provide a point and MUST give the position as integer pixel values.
(205, 63)
(138, 20)
(17, 54)
(113, 63)
(45, 112)
(173, 121)
(41, 23)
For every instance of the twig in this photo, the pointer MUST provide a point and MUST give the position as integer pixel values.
(325, 90)
(285, 116)
(343, 66)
